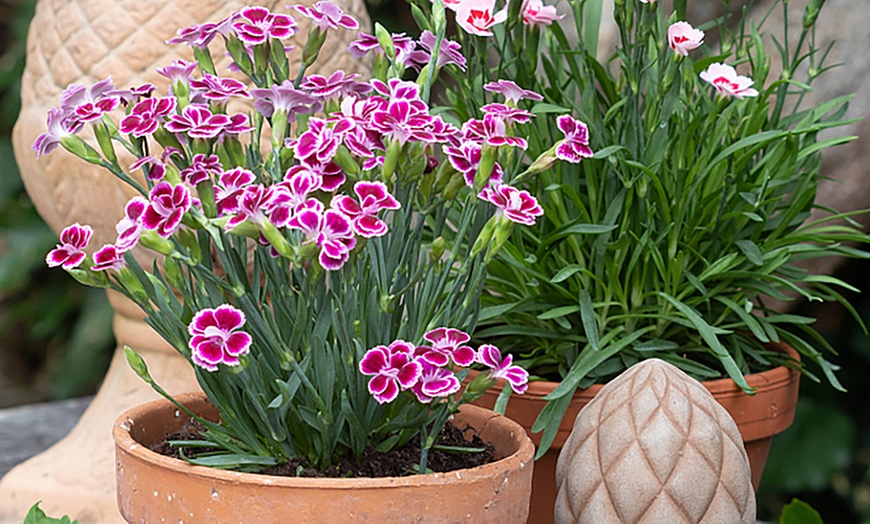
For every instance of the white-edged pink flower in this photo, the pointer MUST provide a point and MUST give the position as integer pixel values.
(434, 382)
(147, 115)
(446, 344)
(516, 205)
(166, 207)
(327, 15)
(373, 197)
(256, 25)
(197, 121)
(70, 252)
(534, 12)
(511, 91)
(394, 369)
(229, 188)
(517, 377)
(477, 16)
(130, 227)
(201, 169)
(575, 146)
(682, 38)
(465, 158)
(215, 338)
(330, 230)
(727, 82)
(109, 257)
(492, 131)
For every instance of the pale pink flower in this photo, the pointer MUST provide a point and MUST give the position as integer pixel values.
(682, 37)
(477, 16)
(727, 82)
(216, 339)
(536, 13)
(327, 15)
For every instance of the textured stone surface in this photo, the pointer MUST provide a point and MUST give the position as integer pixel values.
(654, 446)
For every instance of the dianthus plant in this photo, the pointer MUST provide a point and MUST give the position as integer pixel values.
(322, 280)
(686, 201)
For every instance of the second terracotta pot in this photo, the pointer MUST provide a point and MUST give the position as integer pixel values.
(156, 488)
(759, 417)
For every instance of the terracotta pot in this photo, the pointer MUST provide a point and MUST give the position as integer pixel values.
(759, 417)
(155, 488)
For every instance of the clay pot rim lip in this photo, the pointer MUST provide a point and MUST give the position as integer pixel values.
(771, 379)
(124, 442)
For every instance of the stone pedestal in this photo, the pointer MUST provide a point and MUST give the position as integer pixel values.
(84, 41)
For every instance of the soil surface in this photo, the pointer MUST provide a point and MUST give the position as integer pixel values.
(374, 464)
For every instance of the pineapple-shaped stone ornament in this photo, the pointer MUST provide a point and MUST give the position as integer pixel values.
(654, 446)
(83, 42)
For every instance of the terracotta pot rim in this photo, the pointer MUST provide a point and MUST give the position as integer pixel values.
(122, 429)
(770, 379)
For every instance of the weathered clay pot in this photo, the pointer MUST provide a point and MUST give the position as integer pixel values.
(155, 488)
(759, 417)
(84, 41)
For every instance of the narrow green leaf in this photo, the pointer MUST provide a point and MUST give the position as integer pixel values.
(750, 249)
(558, 312)
(587, 315)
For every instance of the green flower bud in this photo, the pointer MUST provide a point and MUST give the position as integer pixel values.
(155, 242)
(454, 186)
(386, 41)
(436, 251)
(484, 237)
(278, 59)
(81, 149)
(500, 235)
(811, 13)
(131, 284)
(205, 61)
(484, 168)
(137, 364)
(237, 51)
(90, 278)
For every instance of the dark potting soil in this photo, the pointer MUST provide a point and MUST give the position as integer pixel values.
(374, 463)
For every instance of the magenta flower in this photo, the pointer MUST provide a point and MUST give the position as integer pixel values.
(156, 166)
(465, 158)
(682, 38)
(403, 46)
(491, 131)
(178, 72)
(327, 15)
(447, 343)
(508, 114)
(70, 252)
(130, 227)
(258, 204)
(166, 208)
(134, 94)
(331, 175)
(219, 89)
(512, 92)
(216, 339)
(201, 169)
(201, 35)
(476, 16)
(284, 98)
(450, 52)
(320, 142)
(534, 12)
(85, 105)
(393, 368)
(198, 122)
(338, 85)
(373, 197)
(575, 146)
(59, 125)
(229, 188)
(727, 82)
(516, 205)
(255, 25)
(434, 382)
(301, 181)
(147, 115)
(329, 230)
(517, 377)
(109, 257)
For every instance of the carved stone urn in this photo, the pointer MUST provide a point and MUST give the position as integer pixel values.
(654, 446)
(85, 41)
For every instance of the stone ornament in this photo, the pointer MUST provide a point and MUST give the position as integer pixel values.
(654, 446)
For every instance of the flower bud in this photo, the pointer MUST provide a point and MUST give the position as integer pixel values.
(386, 42)
(206, 64)
(151, 240)
(104, 139)
(484, 237)
(316, 37)
(239, 55)
(500, 235)
(81, 149)
(172, 271)
(278, 60)
(90, 278)
(453, 187)
(811, 13)
(484, 168)
(436, 251)
(137, 364)
(131, 284)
